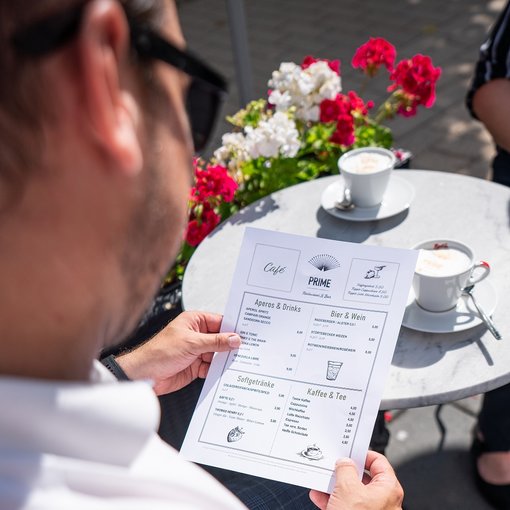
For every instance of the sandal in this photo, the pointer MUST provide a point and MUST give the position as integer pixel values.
(497, 495)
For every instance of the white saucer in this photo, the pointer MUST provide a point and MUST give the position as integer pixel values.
(464, 316)
(398, 198)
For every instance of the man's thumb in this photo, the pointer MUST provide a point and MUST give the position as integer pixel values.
(221, 342)
(233, 340)
(346, 471)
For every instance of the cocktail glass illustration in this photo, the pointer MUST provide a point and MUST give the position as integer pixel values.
(333, 370)
(374, 273)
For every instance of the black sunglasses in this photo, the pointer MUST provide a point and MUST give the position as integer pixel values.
(206, 91)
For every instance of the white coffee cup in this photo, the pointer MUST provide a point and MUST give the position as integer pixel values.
(366, 174)
(443, 269)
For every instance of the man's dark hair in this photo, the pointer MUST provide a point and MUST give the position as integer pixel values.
(23, 96)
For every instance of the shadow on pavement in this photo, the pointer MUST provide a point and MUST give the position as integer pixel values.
(440, 480)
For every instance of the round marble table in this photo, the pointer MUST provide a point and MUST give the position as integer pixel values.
(427, 368)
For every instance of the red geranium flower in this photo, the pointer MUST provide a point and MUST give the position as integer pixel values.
(213, 185)
(407, 107)
(330, 110)
(373, 54)
(334, 65)
(198, 229)
(213, 181)
(356, 104)
(341, 110)
(417, 79)
(195, 233)
(344, 133)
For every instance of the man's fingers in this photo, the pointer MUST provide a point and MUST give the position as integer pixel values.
(203, 369)
(366, 478)
(383, 475)
(207, 357)
(203, 322)
(378, 465)
(346, 475)
(319, 499)
(211, 321)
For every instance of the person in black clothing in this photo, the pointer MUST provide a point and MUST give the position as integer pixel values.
(488, 100)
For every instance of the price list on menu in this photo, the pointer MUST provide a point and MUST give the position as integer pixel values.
(319, 321)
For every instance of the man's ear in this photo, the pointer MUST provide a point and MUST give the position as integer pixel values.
(111, 109)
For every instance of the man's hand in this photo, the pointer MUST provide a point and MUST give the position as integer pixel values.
(179, 353)
(380, 489)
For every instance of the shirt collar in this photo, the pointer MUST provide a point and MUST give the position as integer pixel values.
(102, 420)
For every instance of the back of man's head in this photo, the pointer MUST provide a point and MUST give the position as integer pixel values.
(26, 101)
(95, 152)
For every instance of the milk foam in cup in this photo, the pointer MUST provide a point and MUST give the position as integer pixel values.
(366, 174)
(366, 163)
(442, 262)
(443, 269)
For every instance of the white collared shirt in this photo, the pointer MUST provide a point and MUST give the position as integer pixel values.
(75, 446)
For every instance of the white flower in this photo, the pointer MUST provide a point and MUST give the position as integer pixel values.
(296, 94)
(285, 76)
(305, 83)
(277, 136)
(312, 113)
(233, 151)
(281, 100)
(304, 89)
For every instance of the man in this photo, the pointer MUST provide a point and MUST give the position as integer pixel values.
(95, 153)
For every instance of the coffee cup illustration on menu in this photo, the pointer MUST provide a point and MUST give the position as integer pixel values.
(312, 452)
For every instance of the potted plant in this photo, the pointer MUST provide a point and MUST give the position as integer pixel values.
(295, 134)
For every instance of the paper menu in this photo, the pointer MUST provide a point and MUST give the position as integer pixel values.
(319, 321)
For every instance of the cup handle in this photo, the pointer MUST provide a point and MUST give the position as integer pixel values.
(485, 270)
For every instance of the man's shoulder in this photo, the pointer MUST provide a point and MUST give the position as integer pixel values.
(157, 479)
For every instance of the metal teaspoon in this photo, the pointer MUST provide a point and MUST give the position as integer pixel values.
(346, 203)
(488, 321)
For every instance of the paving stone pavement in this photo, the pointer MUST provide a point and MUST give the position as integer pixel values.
(443, 138)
